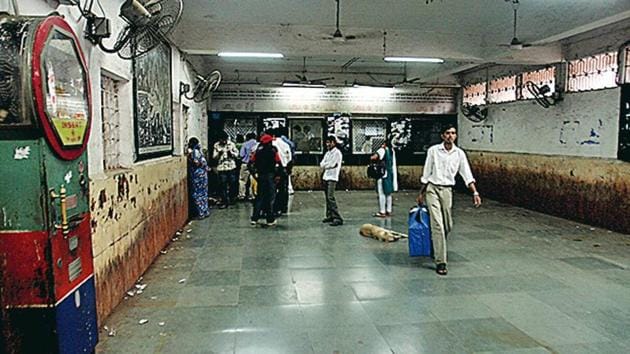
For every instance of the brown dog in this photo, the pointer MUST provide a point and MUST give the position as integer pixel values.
(379, 233)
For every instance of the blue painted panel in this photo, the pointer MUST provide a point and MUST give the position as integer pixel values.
(76, 320)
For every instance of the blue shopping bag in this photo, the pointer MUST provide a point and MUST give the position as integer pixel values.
(420, 232)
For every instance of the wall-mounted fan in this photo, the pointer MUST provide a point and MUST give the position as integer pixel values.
(148, 22)
(204, 85)
(474, 113)
(543, 95)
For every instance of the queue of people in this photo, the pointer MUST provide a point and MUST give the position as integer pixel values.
(265, 170)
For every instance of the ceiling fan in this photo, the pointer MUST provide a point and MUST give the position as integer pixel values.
(303, 80)
(408, 81)
(515, 43)
(338, 37)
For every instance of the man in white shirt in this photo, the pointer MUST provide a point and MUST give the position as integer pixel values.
(331, 164)
(443, 163)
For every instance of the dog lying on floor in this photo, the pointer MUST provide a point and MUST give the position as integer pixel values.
(379, 233)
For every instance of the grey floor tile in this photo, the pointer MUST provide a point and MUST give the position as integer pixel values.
(363, 339)
(324, 292)
(481, 235)
(316, 275)
(456, 307)
(216, 278)
(334, 315)
(251, 317)
(127, 324)
(198, 342)
(205, 296)
(267, 295)
(374, 290)
(273, 342)
(429, 337)
(122, 345)
(540, 321)
(537, 350)
(614, 324)
(600, 348)
(202, 319)
(266, 277)
(265, 262)
(310, 262)
(519, 282)
(399, 310)
(361, 274)
(590, 263)
(215, 262)
(489, 334)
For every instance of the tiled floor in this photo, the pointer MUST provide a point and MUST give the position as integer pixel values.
(519, 282)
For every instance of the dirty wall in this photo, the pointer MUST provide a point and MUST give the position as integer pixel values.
(589, 190)
(352, 178)
(137, 206)
(561, 160)
(134, 215)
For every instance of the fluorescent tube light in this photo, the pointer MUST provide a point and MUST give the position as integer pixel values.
(302, 84)
(414, 59)
(250, 55)
(364, 85)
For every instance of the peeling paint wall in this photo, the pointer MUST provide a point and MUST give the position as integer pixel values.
(134, 215)
(589, 190)
(352, 177)
(138, 208)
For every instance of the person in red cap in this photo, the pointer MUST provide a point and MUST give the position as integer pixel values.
(265, 162)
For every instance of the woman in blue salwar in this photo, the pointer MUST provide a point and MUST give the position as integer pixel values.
(198, 180)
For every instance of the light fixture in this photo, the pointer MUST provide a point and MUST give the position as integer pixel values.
(303, 84)
(250, 55)
(414, 60)
(375, 85)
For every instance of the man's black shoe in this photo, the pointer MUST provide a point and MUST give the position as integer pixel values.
(327, 219)
(336, 223)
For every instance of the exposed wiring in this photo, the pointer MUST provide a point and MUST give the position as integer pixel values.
(16, 10)
(98, 2)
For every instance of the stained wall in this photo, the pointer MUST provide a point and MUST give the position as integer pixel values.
(561, 160)
(139, 205)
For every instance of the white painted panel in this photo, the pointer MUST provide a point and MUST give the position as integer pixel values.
(583, 124)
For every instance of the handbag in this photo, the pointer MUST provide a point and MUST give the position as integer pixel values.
(376, 170)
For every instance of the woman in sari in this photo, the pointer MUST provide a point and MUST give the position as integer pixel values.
(388, 184)
(198, 180)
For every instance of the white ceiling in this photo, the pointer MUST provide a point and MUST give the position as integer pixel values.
(465, 33)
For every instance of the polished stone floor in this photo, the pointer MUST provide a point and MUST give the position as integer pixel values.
(518, 282)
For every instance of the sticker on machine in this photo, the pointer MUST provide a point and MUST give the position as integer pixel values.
(22, 153)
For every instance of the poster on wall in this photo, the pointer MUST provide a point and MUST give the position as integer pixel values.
(400, 133)
(307, 135)
(339, 125)
(153, 117)
(274, 123)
